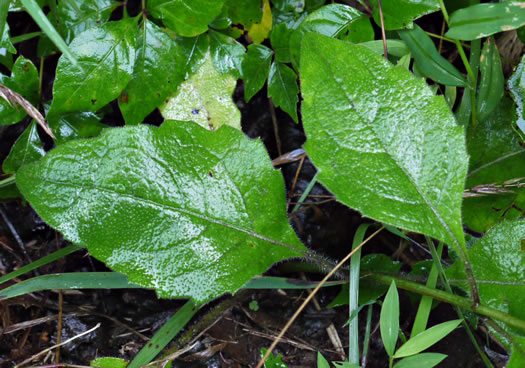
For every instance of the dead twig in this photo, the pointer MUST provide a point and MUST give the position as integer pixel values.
(15, 99)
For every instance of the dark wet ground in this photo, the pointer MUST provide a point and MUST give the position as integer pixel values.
(234, 338)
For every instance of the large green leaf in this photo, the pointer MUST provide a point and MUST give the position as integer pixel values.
(205, 98)
(27, 148)
(483, 20)
(283, 89)
(190, 225)
(429, 61)
(256, 66)
(159, 69)
(186, 17)
(107, 56)
(498, 263)
(383, 142)
(398, 14)
(330, 20)
(280, 39)
(226, 53)
(75, 17)
(195, 50)
(496, 156)
(491, 85)
(23, 80)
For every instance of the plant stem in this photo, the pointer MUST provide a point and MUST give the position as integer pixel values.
(443, 277)
(7, 181)
(446, 297)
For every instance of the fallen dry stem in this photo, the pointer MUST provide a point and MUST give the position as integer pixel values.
(310, 297)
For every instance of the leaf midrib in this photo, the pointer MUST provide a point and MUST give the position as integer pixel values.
(370, 126)
(182, 210)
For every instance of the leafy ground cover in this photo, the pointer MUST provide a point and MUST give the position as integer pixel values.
(232, 157)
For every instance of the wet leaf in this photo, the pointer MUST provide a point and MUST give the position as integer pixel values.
(330, 20)
(226, 53)
(255, 67)
(280, 39)
(107, 57)
(283, 89)
(483, 20)
(260, 31)
(429, 61)
(158, 70)
(76, 125)
(384, 144)
(27, 148)
(426, 339)
(23, 80)
(495, 157)
(389, 319)
(246, 13)
(491, 85)
(516, 85)
(187, 18)
(5, 40)
(76, 17)
(205, 98)
(401, 13)
(498, 262)
(195, 50)
(196, 225)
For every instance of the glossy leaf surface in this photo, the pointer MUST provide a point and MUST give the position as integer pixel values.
(75, 18)
(75, 125)
(107, 57)
(483, 20)
(196, 225)
(383, 143)
(280, 39)
(283, 89)
(429, 61)
(498, 262)
(5, 40)
(205, 98)
(256, 66)
(491, 85)
(195, 50)
(496, 156)
(23, 80)
(516, 85)
(330, 20)
(158, 70)
(27, 148)
(389, 319)
(226, 53)
(426, 339)
(427, 360)
(398, 14)
(186, 17)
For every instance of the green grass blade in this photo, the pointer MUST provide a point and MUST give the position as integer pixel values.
(75, 280)
(353, 330)
(41, 262)
(7, 181)
(426, 339)
(164, 335)
(423, 311)
(389, 319)
(40, 18)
